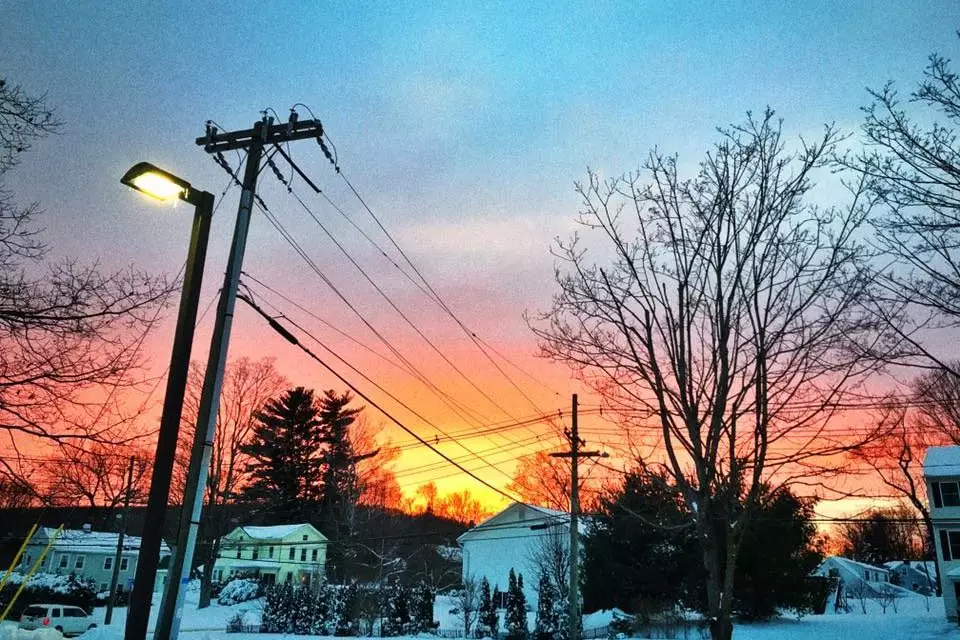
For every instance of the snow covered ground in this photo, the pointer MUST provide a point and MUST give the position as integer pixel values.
(912, 620)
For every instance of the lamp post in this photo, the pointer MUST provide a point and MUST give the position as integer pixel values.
(161, 185)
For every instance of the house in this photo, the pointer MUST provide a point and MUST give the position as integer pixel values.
(941, 470)
(857, 577)
(919, 576)
(86, 553)
(513, 539)
(295, 553)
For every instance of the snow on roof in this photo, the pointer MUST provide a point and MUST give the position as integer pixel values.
(79, 541)
(851, 564)
(273, 532)
(942, 462)
(541, 518)
(914, 564)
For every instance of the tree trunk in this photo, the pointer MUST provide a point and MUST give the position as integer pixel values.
(206, 580)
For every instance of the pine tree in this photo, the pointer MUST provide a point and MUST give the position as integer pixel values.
(286, 471)
(487, 619)
(516, 617)
(547, 622)
(422, 599)
(339, 467)
(398, 610)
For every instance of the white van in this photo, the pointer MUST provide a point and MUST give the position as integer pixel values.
(70, 621)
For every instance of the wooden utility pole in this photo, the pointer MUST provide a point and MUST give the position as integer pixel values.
(575, 454)
(115, 577)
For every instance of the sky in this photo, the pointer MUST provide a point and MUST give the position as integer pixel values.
(464, 127)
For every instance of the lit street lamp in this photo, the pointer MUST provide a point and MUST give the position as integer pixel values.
(161, 185)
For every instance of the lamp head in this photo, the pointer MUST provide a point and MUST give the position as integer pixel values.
(156, 183)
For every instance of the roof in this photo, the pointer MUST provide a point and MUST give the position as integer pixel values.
(917, 565)
(541, 517)
(853, 564)
(277, 531)
(942, 462)
(79, 541)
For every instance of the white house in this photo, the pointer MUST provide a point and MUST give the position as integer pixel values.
(856, 576)
(941, 469)
(280, 553)
(917, 575)
(512, 539)
(86, 553)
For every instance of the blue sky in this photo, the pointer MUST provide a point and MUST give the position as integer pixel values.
(464, 125)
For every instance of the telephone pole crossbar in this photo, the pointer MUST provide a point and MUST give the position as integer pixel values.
(575, 453)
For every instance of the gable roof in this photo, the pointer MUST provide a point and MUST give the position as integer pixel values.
(942, 462)
(276, 531)
(79, 541)
(517, 518)
(853, 565)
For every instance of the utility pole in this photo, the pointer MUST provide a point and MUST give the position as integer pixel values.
(575, 454)
(263, 134)
(111, 603)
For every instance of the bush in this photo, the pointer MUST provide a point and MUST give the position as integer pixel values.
(240, 590)
(236, 623)
(48, 588)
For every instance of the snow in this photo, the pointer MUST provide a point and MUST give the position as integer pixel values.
(855, 563)
(273, 532)
(942, 462)
(912, 620)
(79, 541)
(237, 591)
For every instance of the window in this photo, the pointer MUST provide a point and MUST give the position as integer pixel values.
(303, 554)
(74, 612)
(79, 563)
(255, 554)
(239, 551)
(103, 586)
(288, 578)
(64, 561)
(270, 552)
(43, 561)
(304, 538)
(28, 559)
(107, 563)
(55, 612)
(313, 555)
(293, 553)
(124, 563)
(949, 494)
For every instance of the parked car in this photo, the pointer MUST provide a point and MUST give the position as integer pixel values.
(70, 621)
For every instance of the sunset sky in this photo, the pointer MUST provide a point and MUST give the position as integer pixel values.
(463, 128)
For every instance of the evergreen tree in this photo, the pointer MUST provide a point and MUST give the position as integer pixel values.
(337, 458)
(487, 614)
(548, 624)
(285, 470)
(422, 599)
(516, 616)
(397, 621)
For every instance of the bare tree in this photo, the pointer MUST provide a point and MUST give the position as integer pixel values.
(468, 602)
(247, 385)
(16, 492)
(69, 333)
(914, 169)
(96, 475)
(551, 557)
(733, 317)
(544, 480)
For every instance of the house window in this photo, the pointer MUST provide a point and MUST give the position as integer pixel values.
(124, 563)
(270, 552)
(288, 578)
(64, 561)
(239, 551)
(303, 554)
(313, 555)
(107, 563)
(28, 559)
(949, 494)
(304, 538)
(293, 553)
(79, 563)
(255, 554)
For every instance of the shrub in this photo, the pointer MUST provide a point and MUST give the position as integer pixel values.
(240, 590)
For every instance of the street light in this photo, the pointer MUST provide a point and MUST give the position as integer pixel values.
(162, 185)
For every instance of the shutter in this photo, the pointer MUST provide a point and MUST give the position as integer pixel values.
(945, 545)
(937, 500)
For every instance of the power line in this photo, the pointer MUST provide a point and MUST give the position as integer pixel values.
(289, 337)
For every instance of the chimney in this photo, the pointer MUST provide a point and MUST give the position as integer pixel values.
(87, 528)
